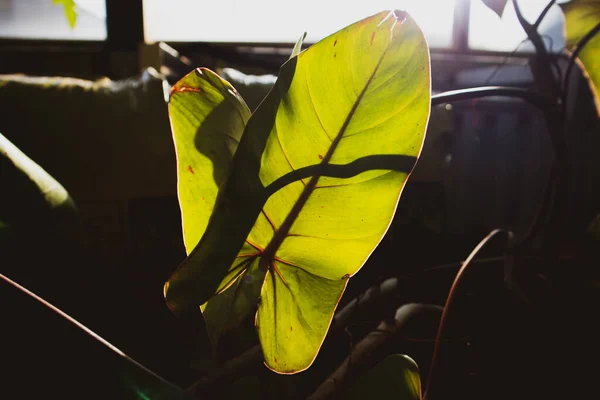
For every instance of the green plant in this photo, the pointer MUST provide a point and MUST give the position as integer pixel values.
(247, 182)
(320, 166)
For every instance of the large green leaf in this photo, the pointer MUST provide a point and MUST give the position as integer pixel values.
(314, 184)
(396, 377)
(581, 17)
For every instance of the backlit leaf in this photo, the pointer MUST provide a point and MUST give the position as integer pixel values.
(208, 118)
(314, 184)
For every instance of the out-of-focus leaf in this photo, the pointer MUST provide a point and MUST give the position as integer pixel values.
(314, 184)
(581, 17)
(496, 6)
(397, 377)
(33, 200)
(70, 10)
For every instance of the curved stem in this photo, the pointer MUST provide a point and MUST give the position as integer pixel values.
(488, 91)
(578, 48)
(450, 299)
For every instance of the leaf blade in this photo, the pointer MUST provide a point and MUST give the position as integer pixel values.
(208, 118)
(291, 302)
(273, 149)
(353, 118)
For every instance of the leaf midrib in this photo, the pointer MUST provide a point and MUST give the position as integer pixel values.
(284, 228)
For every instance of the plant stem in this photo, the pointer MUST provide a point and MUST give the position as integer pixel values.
(543, 14)
(451, 297)
(489, 91)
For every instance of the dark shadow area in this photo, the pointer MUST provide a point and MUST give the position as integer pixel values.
(46, 355)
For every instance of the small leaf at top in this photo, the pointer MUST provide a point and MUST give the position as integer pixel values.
(70, 11)
(298, 46)
(314, 183)
(496, 6)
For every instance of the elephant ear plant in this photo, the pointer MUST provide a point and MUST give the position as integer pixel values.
(281, 207)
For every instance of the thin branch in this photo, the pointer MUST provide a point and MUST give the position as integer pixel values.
(451, 296)
(543, 14)
(530, 30)
(545, 61)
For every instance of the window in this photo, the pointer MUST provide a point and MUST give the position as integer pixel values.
(282, 21)
(41, 19)
(488, 32)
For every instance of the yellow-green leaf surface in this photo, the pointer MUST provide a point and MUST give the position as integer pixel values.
(208, 118)
(314, 183)
(581, 17)
(397, 377)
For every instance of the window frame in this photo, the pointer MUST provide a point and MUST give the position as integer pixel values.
(125, 34)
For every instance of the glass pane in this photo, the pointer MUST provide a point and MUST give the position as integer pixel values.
(488, 32)
(42, 19)
(282, 21)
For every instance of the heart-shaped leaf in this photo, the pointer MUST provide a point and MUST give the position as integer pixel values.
(314, 184)
(581, 17)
